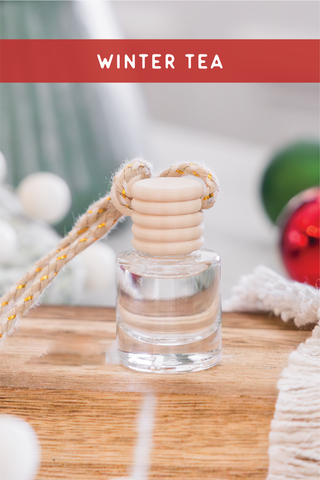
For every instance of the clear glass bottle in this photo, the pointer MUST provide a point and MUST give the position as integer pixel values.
(168, 311)
(168, 287)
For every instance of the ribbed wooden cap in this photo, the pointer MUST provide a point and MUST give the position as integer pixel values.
(166, 215)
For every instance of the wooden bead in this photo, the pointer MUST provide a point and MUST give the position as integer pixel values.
(167, 235)
(166, 208)
(161, 249)
(168, 221)
(167, 189)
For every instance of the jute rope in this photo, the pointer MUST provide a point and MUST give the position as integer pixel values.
(91, 226)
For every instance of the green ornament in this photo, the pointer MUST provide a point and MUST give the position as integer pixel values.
(292, 170)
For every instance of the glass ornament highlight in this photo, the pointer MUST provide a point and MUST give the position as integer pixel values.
(300, 232)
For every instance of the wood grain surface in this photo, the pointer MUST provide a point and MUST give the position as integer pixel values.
(208, 425)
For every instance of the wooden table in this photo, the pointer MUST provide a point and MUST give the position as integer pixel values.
(208, 425)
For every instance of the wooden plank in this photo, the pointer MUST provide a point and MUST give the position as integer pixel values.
(210, 425)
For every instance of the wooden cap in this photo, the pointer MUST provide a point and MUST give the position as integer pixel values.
(166, 215)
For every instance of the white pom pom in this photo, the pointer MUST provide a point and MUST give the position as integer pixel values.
(99, 260)
(3, 167)
(45, 196)
(8, 242)
(19, 449)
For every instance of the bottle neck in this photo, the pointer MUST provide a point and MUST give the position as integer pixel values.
(186, 258)
(147, 256)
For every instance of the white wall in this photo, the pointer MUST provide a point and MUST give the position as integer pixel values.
(270, 114)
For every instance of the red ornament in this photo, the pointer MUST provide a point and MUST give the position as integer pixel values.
(300, 238)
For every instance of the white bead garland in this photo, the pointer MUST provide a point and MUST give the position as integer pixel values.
(45, 196)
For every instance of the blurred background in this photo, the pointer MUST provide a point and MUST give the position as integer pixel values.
(62, 142)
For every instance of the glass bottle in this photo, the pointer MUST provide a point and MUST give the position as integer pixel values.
(168, 289)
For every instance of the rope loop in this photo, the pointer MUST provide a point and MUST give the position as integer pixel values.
(203, 173)
(130, 173)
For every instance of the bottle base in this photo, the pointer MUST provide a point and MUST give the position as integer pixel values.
(164, 357)
(170, 363)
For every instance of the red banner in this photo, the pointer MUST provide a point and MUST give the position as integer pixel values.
(163, 61)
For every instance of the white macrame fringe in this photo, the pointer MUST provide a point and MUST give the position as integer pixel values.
(267, 291)
(294, 450)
